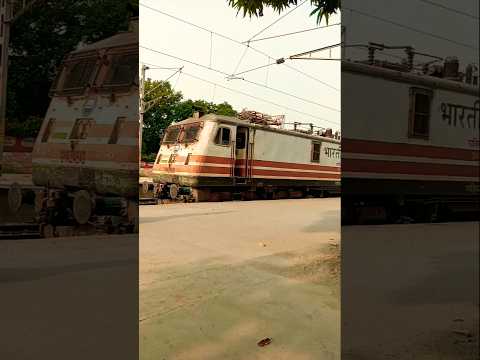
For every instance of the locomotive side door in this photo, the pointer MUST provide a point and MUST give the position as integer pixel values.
(242, 155)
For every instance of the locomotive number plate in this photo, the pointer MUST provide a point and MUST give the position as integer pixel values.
(73, 157)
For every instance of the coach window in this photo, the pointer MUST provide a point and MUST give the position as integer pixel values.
(223, 136)
(420, 104)
(315, 152)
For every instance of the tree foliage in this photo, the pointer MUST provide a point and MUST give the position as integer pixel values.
(41, 38)
(321, 8)
(169, 106)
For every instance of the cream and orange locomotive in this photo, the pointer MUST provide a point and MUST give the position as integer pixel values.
(410, 143)
(214, 158)
(85, 157)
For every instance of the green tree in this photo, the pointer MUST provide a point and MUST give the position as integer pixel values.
(321, 8)
(42, 37)
(168, 106)
(161, 113)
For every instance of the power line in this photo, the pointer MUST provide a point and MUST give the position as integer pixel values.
(238, 42)
(260, 99)
(280, 18)
(168, 78)
(240, 60)
(258, 67)
(248, 81)
(412, 29)
(292, 33)
(311, 77)
(252, 96)
(449, 9)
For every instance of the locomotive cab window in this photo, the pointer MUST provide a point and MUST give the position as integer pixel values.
(123, 70)
(79, 74)
(190, 133)
(171, 135)
(419, 121)
(315, 152)
(223, 136)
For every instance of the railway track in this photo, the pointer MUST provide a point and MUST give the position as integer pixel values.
(18, 231)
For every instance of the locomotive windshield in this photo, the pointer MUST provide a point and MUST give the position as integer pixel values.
(171, 135)
(186, 134)
(123, 70)
(79, 74)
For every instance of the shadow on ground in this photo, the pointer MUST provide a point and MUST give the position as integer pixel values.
(220, 311)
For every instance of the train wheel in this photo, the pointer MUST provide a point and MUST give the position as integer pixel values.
(82, 206)
(173, 191)
(39, 199)
(14, 198)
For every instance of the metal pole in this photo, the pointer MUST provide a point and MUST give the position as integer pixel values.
(5, 16)
(141, 111)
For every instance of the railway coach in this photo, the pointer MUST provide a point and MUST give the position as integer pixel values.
(410, 143)
(215, 158)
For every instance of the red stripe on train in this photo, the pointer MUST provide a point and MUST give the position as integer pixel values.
(410, 168)
(196, 169)
(262, 163)
(402, 149)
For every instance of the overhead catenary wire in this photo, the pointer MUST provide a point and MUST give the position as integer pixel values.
(168, 78)
(248, 81)
(261, 99)
(433, 3)
(256, 97)
(292, 68)
(391, 22)
(291, 33)
(277, 20)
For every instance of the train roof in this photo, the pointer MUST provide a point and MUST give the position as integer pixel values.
(409, 77)
(235, 121)
(119, 40)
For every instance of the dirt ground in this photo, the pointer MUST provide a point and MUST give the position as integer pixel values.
(216, 278)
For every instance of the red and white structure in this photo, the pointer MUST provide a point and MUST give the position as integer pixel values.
(218, 156)
(412, 139)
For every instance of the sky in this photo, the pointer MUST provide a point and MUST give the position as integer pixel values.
(448, 27)
(309, 93)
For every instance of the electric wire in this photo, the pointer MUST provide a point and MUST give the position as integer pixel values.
(248, 81)
(432, 3)
(256, 97)
(412, 29)
(276, 21)
(240, 43)
(291, 33)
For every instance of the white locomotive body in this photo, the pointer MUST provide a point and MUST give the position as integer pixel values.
(219, 156)
(410, 144)
(85, 158)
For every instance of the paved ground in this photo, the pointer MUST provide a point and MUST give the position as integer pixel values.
(215, 278)
(71, 298)
(410, 292)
